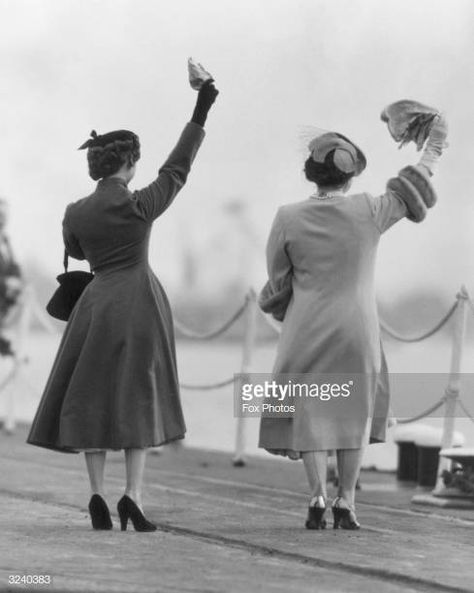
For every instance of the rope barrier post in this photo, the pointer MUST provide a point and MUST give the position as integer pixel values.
(248, 347)
(37, 311)
(452, 390)
(21, 333)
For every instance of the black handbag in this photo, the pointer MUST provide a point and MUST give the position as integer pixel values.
(65, 297)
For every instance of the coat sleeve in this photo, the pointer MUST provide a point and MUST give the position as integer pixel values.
(154, 199)
(386, 210)
(410, 194)
(71, 243)
(277, 292)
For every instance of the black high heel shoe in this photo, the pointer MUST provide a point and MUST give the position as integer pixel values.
(127, 509)
(99, 513)
(344, 516)
(315, 519)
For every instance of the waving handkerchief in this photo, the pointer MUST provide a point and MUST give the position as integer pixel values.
(409, 121)
(198, 75)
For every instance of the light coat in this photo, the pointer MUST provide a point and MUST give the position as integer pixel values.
(321, 260)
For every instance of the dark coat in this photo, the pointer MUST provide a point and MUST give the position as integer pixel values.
(114, 383)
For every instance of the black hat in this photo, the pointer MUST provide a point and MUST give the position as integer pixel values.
(104, 139)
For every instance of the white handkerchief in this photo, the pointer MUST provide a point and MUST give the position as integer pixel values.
(198, 75)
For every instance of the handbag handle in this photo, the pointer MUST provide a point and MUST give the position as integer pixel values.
(66, 262)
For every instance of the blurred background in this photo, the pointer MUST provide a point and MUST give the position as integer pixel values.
(283, 67)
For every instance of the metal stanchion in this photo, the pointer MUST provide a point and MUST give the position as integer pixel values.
(452, 391)
(247, 356)
(37, 312)
(21, 333)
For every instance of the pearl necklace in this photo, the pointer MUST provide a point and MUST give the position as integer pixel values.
(326, 195)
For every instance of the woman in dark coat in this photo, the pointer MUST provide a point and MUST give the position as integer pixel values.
(114, 383)
(321, 260)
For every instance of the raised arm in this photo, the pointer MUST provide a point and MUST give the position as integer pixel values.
(154, 199)
(411, 193)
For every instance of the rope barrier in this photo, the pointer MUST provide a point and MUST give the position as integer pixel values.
(277, 329)
(390, 331)
(11, 374)
(207, 387)
(471, 305)
(188, 333)
(394, 334)
(427, 412)
(465, 410)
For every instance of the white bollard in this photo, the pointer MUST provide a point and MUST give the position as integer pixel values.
(452, 391)
(248, 346)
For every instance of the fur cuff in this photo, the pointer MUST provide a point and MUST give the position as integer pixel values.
(416, 191)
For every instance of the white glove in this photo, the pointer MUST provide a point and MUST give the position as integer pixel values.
(435, 144)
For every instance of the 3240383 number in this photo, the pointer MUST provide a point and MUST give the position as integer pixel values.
(29, 579)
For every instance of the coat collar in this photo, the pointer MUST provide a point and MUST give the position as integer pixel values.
(110, 181)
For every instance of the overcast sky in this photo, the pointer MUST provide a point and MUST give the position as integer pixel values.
(69, 66)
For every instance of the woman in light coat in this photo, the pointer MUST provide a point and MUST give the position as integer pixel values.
(321, 259)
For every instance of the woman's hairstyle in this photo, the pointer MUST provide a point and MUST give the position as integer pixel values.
(326, 174)
(107, 153)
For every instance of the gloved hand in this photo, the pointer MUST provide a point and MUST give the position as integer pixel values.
(435, 144)
(206, 97)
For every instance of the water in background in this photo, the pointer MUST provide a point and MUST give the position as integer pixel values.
(209, 414)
